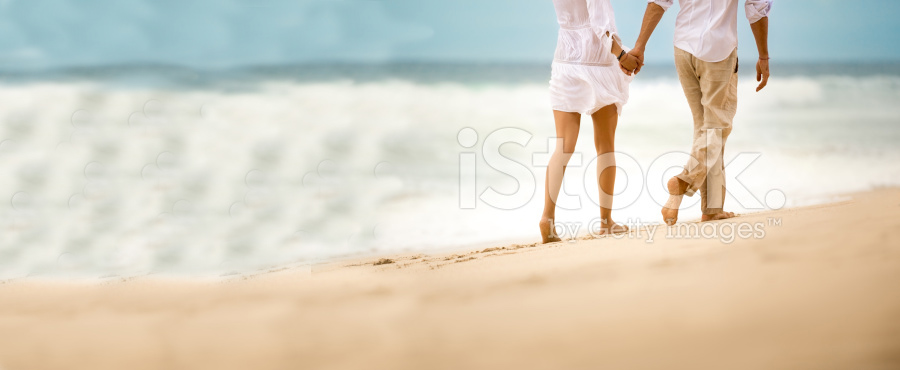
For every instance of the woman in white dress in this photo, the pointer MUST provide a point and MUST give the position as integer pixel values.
(586, 79)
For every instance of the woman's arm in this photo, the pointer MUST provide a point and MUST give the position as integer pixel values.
(600, 13)
(615, 48)
(628, 63)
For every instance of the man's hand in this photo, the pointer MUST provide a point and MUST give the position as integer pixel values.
(629, 64)
(762, 73)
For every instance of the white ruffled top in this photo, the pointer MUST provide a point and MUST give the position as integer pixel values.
(586, 28)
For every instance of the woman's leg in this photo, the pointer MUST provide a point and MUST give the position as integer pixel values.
(605, 121)
(567, 125)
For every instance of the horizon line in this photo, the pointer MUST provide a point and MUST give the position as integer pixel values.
(252, 66)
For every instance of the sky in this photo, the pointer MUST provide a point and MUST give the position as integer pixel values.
(231, 33)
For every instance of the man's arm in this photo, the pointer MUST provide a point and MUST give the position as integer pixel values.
(652, 16)
(761, 34)
(758, 15)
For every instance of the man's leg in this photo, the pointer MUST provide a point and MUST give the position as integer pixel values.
(692, 176)
(712, 191)
(719, 100)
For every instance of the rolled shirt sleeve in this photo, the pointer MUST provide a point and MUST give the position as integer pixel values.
(665, 4)
(757, 9)
(603, 23)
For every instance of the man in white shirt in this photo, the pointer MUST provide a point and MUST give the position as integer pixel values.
(706, 60)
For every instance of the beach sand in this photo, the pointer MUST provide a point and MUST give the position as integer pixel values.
(820, 290)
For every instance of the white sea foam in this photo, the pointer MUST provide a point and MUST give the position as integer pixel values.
(107, 180)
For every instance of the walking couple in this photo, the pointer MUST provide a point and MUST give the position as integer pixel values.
(592, 70)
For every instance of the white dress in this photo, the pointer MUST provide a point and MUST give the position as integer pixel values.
(585, 74)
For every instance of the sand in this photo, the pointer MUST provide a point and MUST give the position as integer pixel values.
(820, 290)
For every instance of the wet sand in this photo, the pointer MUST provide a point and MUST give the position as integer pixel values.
(820, 290)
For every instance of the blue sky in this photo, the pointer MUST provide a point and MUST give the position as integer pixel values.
(227, 33)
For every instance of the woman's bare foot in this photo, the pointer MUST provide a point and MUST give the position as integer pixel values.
(612, 229)
(717, 216)
(548, 231)
(676, 194)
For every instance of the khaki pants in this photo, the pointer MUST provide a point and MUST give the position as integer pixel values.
(711, 91)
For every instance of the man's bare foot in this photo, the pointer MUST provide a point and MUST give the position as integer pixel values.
(548, 231)
(670, 215)
(615, 228)
(676, 194)
(717, 216)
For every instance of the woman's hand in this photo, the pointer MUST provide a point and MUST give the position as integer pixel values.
(629, 63)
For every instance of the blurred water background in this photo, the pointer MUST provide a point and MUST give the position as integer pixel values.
(157, 169)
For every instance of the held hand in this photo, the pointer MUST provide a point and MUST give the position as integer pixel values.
(638, 55)
(628, 64)
(762, 72)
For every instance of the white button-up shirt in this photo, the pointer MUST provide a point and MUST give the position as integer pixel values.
(708, 28)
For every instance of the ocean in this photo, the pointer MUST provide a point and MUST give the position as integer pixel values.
(165, 170)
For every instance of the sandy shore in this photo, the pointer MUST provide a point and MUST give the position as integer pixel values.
(820, 290)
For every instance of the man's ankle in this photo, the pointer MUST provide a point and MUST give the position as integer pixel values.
(680, 186)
